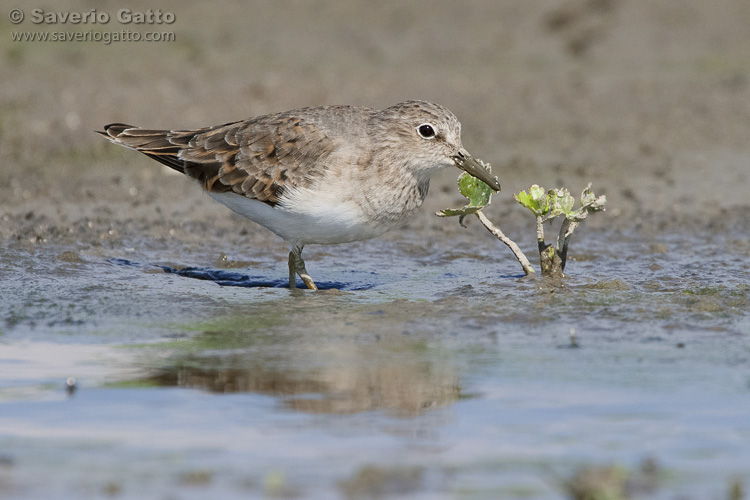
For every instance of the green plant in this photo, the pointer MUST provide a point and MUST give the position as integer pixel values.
(544, 204)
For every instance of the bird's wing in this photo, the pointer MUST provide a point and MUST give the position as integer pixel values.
(256, 158)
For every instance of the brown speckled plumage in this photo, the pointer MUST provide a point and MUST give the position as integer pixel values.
(255, 158)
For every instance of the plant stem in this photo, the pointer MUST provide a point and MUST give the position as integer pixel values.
(540, 231)
(510, 243)
(550, 260)
(566, 231)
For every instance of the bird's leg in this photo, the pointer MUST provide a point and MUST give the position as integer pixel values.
(292, 274)
(297, 267)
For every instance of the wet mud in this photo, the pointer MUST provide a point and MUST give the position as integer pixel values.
(150, 347)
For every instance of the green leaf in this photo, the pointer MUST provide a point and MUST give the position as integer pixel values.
(535, 200)
(560, 203)
(527, 201)
(589, 203)
(556, 202)
(537, 192)
(475, 190)
(587, 196)
(452, 212)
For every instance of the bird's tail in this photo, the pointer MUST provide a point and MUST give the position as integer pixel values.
(163, 146)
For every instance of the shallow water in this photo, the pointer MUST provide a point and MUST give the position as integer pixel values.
(412, 376)
(428, 367)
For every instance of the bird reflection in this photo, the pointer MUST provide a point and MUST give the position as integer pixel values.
(345, 385)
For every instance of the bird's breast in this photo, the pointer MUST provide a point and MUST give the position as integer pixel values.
(302, 217)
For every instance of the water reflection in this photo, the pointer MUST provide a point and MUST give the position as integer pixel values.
(336, 378)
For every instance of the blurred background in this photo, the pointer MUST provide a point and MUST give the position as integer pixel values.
(431, 368)
(648, 100)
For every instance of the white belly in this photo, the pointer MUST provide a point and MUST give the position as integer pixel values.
(304, 218)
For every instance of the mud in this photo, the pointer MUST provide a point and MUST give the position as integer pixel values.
(428, 366)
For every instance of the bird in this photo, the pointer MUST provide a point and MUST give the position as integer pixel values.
(316, 175)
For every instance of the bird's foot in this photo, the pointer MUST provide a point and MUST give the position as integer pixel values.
(307, 279)
(297, 268)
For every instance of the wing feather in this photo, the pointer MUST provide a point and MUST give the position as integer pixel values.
(258, 158)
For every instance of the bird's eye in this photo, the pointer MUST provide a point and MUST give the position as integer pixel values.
(426, 131)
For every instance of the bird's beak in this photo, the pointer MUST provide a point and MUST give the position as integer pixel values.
(465, 162)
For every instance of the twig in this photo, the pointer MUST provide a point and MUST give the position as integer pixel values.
(566, 231)
(510, 243)
(551, 260)
(540, 230)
